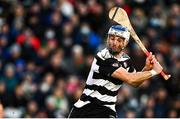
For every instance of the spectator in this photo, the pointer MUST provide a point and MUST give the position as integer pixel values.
(59, 101)
(32, 109)
(1, 111)
(9, 78)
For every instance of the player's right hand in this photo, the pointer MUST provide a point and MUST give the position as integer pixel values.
(156, 66)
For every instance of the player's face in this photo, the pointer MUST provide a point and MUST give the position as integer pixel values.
(116, 43)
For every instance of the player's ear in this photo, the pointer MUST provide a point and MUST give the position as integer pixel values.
(126, 42)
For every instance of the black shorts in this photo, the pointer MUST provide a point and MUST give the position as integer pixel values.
(92, 111)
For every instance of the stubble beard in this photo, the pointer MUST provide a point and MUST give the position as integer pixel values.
(114, 52)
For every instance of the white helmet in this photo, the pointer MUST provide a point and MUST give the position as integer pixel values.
(119, 31)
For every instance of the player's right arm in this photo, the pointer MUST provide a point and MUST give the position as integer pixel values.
(136, 78)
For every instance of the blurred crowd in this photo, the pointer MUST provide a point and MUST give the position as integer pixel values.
(47, 46)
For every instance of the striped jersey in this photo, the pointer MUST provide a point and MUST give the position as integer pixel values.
(101, 88)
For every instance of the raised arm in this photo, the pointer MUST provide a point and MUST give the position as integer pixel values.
(136, 78)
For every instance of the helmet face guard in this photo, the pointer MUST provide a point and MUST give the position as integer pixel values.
(120, 31)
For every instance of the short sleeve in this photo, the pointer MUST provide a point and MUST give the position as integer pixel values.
(108, 66)
(128, 66)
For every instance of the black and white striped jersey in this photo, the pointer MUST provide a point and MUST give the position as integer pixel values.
(101, 88)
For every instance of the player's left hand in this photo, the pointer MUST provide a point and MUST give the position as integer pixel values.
(149, 62)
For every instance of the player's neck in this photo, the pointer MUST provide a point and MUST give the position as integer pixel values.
(118, 55)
